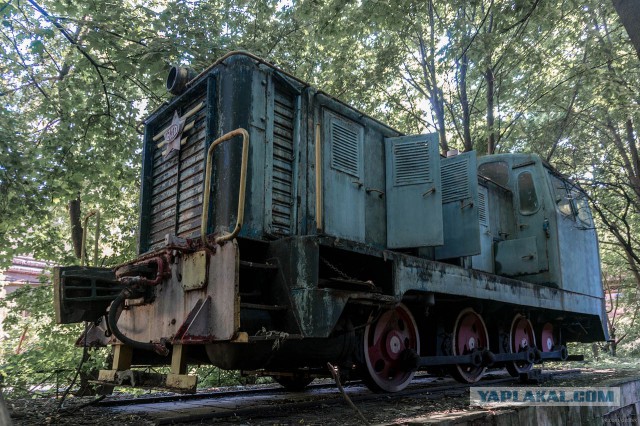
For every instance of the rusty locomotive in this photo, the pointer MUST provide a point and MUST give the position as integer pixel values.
(281, 229)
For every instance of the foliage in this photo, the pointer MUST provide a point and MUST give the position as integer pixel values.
(35, 353)
(212, 377)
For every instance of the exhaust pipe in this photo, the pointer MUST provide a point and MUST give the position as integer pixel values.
(178, 78)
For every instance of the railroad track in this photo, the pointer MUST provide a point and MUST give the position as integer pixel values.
(274, 402)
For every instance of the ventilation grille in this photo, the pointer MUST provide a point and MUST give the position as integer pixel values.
(482, 208)
(176, 195)
(455, 182)
(345, 148)
(282, 188)
(411, 163)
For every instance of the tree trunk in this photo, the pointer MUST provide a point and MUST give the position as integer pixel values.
(491, 137)
(76, 226)
(464, 103)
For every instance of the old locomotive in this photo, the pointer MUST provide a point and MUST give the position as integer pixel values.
(281, 229)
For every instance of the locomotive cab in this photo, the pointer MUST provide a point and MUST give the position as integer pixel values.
(551, 219)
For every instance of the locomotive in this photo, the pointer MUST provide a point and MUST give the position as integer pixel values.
(281, 229)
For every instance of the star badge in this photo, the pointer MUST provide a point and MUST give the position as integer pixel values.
(174, 133)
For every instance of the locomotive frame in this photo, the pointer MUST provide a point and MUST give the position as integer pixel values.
(281, 229)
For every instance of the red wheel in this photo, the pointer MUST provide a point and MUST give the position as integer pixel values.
(469, 334)
(385, 343)
(521, 338)
(547, 341)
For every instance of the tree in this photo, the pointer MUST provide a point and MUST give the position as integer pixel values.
(556, 78)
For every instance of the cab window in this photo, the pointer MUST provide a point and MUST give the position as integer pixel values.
(527, 194)
(582, 207)
(571, 201)
(497, 171)
(561, 195)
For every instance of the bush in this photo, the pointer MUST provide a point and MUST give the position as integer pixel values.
(38, 356)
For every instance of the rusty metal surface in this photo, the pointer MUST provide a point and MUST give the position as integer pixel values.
(174, 310)
(421, 274)
(194, 270)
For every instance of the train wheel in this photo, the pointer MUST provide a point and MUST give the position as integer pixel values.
(469, 334)
(547, 341)
(293, 383)
(385, 344)
(521, 338)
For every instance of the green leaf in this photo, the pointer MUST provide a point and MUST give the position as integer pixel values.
(37, 46)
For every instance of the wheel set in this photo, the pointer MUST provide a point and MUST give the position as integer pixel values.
(391, 351)
(388, 340)
(391, 345)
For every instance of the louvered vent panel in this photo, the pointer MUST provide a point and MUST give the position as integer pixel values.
(176, 197)
(482, 208)
(345, 149)
(283, 155)
(192, 168)
(411, 164)
(455, 182)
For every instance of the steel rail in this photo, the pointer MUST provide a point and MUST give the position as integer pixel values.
(277, 409)
(428, 390)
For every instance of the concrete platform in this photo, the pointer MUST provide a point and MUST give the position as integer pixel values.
(627, 413)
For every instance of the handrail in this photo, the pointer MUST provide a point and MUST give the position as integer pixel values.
(243, 185)
(95, 213)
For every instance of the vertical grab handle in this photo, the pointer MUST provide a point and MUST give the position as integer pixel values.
(243, 185)
(83, 254)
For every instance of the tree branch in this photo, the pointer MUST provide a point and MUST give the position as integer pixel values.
(74, 42)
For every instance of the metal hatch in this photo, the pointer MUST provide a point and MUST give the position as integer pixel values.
(343, 178)
(460, 207)
(414, 193)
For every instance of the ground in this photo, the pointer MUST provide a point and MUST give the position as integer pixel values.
(415, 409)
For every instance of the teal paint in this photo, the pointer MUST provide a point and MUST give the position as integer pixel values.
(414, 192)
(343, 177)
(460, 207)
